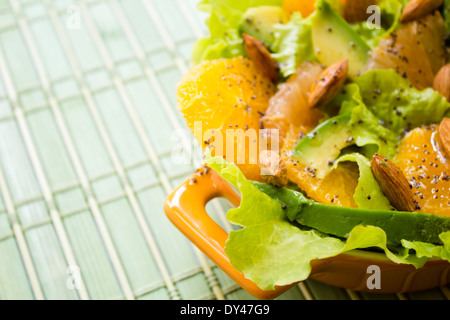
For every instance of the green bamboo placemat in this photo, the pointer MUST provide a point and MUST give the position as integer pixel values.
(88, 125)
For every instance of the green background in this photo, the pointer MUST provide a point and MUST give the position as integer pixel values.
(88, 124)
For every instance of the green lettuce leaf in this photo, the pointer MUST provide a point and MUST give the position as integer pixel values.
(428, 250)
(397, 104)
(367, 184)
(367, 130)
(268, 209)
(225, 40)
(386, 104)
(293, 44)
(272, 250)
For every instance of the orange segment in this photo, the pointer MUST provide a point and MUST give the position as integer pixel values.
(416, 51)
(305, 7)
(425, 165)
(290, 105)
(337, 188)
(223, 95)
(308, 7)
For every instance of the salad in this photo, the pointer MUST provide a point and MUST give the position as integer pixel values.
(331, 118)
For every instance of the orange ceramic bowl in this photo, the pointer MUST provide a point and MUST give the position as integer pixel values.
(185, 207)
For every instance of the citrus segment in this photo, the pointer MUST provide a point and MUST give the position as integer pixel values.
(416, 51)
(226, 96)
(308, 7)
(421, 158)
(305, 7)
(290, 105)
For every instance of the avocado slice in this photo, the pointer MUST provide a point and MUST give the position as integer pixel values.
(321, 147)
(339, 221)
(411, 226)
(259, 21)
(357, 130)
(335, 40)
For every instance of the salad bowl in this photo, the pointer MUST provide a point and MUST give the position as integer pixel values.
(185, 208)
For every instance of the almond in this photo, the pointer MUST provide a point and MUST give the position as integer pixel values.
(273, 168)
(442, 82)
(416, 9)
(258, 53)
(329, 84)
(356, 10)
(444, 135)
(394, 184)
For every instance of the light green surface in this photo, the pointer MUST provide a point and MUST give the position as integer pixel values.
(87, 118)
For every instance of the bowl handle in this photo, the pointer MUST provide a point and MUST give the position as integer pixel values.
(185, 208)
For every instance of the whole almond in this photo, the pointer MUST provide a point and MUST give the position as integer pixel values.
(394, 184)
(441, 82)
(329, 84)
(416, 9)
(444, 135)
(261, 57)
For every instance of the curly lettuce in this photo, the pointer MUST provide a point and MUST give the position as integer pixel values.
(293, 44)
(367, 184)
(225, 40)
(399, 105)
(367, 130)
